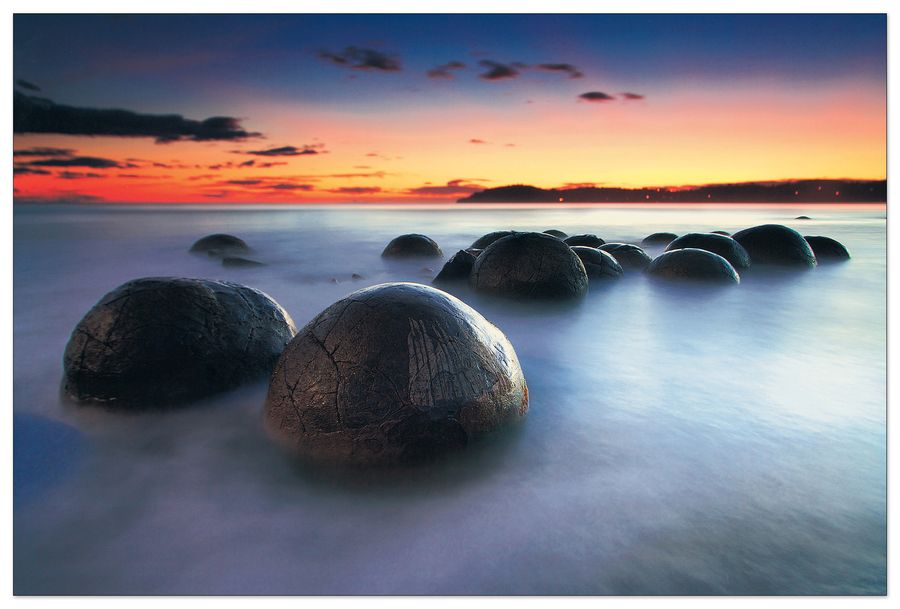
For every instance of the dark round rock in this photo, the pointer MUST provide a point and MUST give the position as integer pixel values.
(584, 240)
(597, 263)
(458, 268)
(826, 248)
(776, 244)
(726, 247)
(412, 246)
(627, 255)
(393, 373)
(220, 244)
(531, 266)
(237, 261)
(162, 341)
(693, 264)
(556, 233)
(802, 218)
(658, 239)
(485, 240)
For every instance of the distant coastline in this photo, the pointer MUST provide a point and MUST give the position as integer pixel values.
(793, 191)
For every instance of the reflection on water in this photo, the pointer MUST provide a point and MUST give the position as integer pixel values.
(680, 439)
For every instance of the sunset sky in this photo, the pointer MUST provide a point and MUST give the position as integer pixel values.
(311, 108)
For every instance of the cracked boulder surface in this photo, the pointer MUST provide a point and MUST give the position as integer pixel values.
(220, 244)
(394, 373)
(597, 263)
(657, 239)
(628, 256)
(693, 264)
(485, 240)
(164, 341)
(458, 268)
(587, 240)
(827, 249)
(412, 246)
(726, 247)
(777, 245)
(529, 266)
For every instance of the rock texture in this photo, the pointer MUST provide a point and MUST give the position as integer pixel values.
(726, 247)
(530, 266)
(827, 249)
(585, 240)
(458, 268)
(220, 244)
(629, 257)
(485, 240)
(412, 246)
(393, 373)
(163, 341)
(597, 263)
(657, 239)
(776, 244)
(693, 264)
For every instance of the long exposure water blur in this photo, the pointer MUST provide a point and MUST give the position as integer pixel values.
(680, 439)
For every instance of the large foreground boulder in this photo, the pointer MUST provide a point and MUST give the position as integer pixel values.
(726, 247)
(530, 266)
(458, 268)
(627, 255)
(485, 240)
(412, 246)
(597, 263)
(162, 341)
(693, 264)
(827, 249)
(393, 373)
(220, 244)
(776, 244)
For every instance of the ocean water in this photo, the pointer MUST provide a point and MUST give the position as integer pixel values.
(680, 439)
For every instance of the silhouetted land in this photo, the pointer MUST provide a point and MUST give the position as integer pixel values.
(805, 191)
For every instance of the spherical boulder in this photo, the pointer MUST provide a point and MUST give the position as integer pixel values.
(826, 248)
(397, 372)
(530, 266)
(776, 244)
(627, 255)
(659, 239)
(693, 264)
(485, 240)
(585, 240)
(458, 268)
(597, 263)
(163, 341)
(220, 244)
(556, 233)
(412, 246)
(726, 247)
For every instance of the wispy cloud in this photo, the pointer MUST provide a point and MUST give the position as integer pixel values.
(362, 59)
(566, 68)
(445, 71)
(308, 149)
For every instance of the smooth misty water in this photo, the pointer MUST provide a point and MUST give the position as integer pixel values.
(680, 440)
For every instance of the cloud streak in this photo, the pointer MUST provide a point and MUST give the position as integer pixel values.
(308, 149)
(445, 71)
(596, 97)
(362, 59)
(498, 71)
(566, 68)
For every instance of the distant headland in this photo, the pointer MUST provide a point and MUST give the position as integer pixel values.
(793, 191)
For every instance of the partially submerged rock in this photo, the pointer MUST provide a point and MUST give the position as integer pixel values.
(587, 240)
(393, 373)
(530, 266)
(458, 268)
(802, 218)
(628, 256)
(726, 247)
(412, 246)
(826, 248)
(693, 264)
(556, 233)
(597, 263)
(485, 240)
(776, 244)
(220, 245)
(659, 239)
(162, 341)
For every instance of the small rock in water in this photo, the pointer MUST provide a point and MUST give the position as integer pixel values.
(802, 218)
(398, 372)
(356, 276)
(412, 246)
(556, 233)
(597, 263)
(826, 248)
(693, 264)
(220, 245)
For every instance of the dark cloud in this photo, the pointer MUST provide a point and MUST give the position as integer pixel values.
(44, 151)
(444, 71)
(453, 187)
(362, 59)
(244, 182)
(78, 175)
(38, 115)
(499, 71)
(268, 184)
(22, 170)
(80, 161)
(632, 96)
(596, 96)
(286, 150)
(568, 68)
(475, 140)
(270, 164)
(287, 186)
(356, 190)
(27, 85)
(249, 163)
